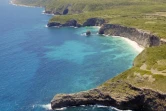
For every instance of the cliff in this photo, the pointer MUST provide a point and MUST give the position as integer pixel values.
(74, 23)
(143, 38)
(118, 94)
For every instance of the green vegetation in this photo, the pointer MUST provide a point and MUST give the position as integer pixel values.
(148, 15)
(145, 78)
(154, 57)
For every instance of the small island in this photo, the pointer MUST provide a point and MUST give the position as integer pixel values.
(144, 85)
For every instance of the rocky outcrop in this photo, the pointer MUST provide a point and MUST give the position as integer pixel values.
(70, 23)
(94, 22)
(53, 24)
(74, 23)
(88, 33)
(143, 38)
(48, 12)
(65, 11)
(118, 94)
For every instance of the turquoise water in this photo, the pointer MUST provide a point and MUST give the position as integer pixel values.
(37, 62)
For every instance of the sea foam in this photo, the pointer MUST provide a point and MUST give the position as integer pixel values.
(134, 44)
(46, 106)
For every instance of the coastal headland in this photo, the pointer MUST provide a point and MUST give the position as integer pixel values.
(133, 89)
(143, 85)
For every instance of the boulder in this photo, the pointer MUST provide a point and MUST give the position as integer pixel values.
(65, 11)
(88, 33)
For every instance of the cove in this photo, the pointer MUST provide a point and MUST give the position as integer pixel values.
(38, 62)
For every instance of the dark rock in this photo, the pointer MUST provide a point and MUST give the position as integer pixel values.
(88, 33)
(143, 38)
(57, 13)
(65, 11)
(70, 23)
(53, 24)
(48, 12)
(78, 25)
(133, 98)
(94, 22)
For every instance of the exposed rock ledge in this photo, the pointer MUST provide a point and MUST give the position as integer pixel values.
(118, 94)
(88, 22)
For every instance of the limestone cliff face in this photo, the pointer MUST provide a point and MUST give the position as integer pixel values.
(94, 22)
(72, 22)
(118, 94)
(143, 38)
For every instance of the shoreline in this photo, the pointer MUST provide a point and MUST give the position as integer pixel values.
(12, 3)
(134, 44)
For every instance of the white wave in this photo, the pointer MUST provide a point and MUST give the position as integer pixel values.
(101, 106)
(96, 27)
(83, 34)
(106, 35)
(119, 109)
(133, 44)
(61, 108)
(46, 106)
(46, 26)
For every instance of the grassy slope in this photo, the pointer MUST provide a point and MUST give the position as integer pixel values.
(145, 78)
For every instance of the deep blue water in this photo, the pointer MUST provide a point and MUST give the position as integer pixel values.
(38, 62)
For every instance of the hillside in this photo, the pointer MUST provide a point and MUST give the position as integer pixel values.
(148, 15)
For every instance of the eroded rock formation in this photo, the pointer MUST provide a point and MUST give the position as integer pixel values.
(94, 22)
(118, 94)
(143, 38)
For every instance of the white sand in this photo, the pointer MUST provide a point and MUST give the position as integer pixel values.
(134, 44)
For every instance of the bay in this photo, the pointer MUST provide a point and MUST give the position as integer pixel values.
(37, 62)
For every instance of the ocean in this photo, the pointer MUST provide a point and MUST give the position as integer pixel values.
(37, 62)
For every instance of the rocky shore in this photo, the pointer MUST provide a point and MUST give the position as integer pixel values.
(143, 38)
(74, 23)
(119, 94)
